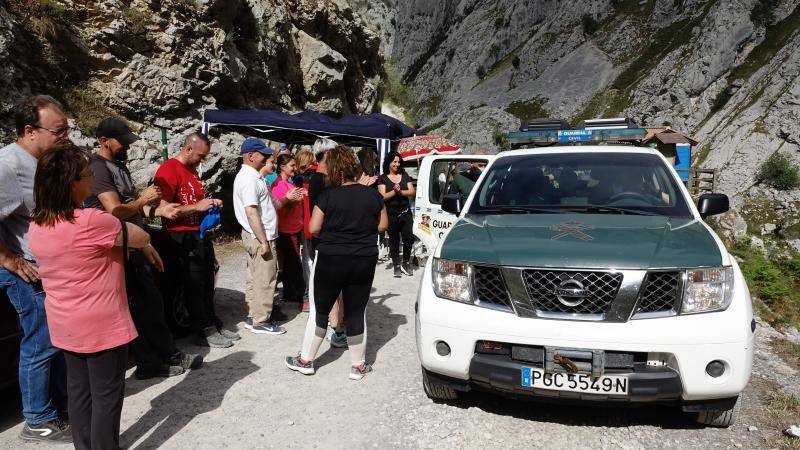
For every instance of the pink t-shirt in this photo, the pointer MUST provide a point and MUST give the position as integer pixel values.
(84, 280)
(290, 217)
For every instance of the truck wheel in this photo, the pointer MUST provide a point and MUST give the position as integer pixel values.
(719, 418)
(436, 391)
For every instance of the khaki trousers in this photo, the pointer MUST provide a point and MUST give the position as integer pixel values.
(261, 278)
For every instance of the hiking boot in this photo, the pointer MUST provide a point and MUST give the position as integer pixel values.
(267, 328)
(163, 371)
(397, 272)
(228, 334)
(212, 338)
(339, 340)
(54, 431)
(188, 361)
(406, 269)
(294, 363)
(357, 373)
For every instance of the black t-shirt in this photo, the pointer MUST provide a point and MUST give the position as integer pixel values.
(350, 227)
(399, 202)
(111, 176)
(316, 184)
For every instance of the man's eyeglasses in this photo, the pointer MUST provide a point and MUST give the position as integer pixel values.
(59, 132)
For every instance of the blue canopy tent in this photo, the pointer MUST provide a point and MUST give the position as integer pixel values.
(371, 130)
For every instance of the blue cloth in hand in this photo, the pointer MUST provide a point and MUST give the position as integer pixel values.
(210, 221)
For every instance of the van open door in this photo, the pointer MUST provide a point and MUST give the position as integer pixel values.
(440, 175)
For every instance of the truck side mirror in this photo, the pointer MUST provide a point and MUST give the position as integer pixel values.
(452, 203)
(711, 204)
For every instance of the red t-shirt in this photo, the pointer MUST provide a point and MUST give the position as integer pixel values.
(290, 217)
(84, 280)
(180, 184)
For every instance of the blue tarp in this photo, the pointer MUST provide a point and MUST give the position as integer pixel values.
(305, 127)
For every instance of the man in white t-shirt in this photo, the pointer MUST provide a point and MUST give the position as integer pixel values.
(256, 210)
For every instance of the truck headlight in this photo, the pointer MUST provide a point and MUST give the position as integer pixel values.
(707, 290)
(452, 280)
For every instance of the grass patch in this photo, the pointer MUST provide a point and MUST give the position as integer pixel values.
(136, 20)
(500, 139)
(88, 108)
(41, 17)
(526, 110)
(775, 39)
(396, 91)
(787, 350)
(779, 172)
(773, 283)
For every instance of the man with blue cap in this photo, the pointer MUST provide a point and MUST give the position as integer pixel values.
(256, 211)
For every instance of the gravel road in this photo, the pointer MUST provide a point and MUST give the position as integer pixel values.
(244, 397)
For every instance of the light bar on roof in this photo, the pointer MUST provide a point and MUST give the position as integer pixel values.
(615, 123)
(593, 135)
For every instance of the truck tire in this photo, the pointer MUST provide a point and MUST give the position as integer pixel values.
(719, 418)
(436, 391)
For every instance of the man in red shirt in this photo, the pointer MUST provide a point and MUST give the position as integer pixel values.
(179, 183)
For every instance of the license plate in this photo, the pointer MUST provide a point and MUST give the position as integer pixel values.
(610, 384)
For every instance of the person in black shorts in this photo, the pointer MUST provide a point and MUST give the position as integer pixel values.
(347, 219)
(395, 186)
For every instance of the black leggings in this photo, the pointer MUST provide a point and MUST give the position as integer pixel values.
(96, 389)
(400, 225)
(352, 277)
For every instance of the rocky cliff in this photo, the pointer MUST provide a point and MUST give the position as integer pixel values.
(160, 63)
(724, 71)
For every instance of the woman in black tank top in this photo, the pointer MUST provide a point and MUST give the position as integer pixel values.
(395, 186)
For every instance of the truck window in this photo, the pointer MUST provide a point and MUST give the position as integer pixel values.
(440, 178)
(581, 181)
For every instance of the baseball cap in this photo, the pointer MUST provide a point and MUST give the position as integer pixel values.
(252, 144)
(112, 127)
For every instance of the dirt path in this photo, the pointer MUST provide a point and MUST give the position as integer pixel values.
(244, 397)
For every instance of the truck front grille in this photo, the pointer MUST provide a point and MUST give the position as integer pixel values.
(599, 288)
(490, 287)
(661, 292)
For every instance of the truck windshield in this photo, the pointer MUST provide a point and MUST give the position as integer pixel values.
(596, 183)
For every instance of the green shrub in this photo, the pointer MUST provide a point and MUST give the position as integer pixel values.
(136, 20)
(515, 62)
(774, 284)
(42, 17)
(780, 172)
(722, 99)
(501, 140)
(480, 72)
(589, 24)
(88, 108)
(526, 110)
(763, 12)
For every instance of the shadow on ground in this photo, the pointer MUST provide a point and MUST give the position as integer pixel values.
(11, 412)
(199, 392)
(579, 414)
(382, 326)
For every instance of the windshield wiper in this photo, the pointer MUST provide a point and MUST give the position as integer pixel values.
(520, 209)
(614, 210)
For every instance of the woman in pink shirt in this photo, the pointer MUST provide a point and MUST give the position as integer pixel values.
(290, 225)
(81, 265)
